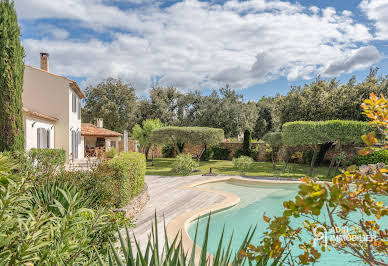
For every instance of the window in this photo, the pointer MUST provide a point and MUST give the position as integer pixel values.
(74, 103)
(43, 138)
(79, 109)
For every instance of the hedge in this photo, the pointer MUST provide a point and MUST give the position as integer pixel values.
(47, 161)
(380, 156)
(220, 153)
(300, 133)
(128, 169)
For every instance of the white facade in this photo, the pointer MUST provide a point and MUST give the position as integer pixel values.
(54, 96)
(32, 131)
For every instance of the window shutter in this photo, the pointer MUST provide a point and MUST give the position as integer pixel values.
(79, 109)
(74, 104)
(79, 137)
(38, 138)
(48, 138)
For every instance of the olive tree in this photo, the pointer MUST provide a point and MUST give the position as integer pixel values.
(313, 134)
(142, 133)
(179, 136)
(273, 139)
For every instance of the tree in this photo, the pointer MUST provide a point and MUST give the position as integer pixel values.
(11, 80)
(313, 134)
(265, 120)
(143, 133)
(179, 136)
(112, 100)
(247, 143)
(350, 203)
(274, 140)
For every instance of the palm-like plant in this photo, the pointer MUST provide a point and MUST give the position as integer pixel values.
(173, 253)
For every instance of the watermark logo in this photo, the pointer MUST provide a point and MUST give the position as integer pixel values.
(337, 234)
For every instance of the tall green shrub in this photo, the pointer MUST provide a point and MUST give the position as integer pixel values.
(274, 140)
(128, 169)
(247, 143)
(11, 80)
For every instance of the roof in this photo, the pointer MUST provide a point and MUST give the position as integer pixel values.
(30, 113)
(93, 131)
(73, 85)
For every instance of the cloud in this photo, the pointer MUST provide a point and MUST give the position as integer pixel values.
(377, 11)
(195, 44)
(361, 58)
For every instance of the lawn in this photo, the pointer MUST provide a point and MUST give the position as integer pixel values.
(162, 166)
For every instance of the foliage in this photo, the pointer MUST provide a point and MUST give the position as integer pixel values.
(274, 140)
(207, 155)
(184, 164)
(11, 80)
(346, 159)
(112, 100)
(247, 143)
(143, 133)
(255, 152)
(238, 153)
(111, 153)
(178, 136)
(168, 151)
(308, 156)
(127, 172)
(354, 191)
(173, 253)
(223, 109)
(220, 153)
(49, 222)
(265, 118)
(243, 163)
(327, 100)
(374, 157)
(47, 161)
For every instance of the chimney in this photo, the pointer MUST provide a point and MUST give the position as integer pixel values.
(44, 61)
(100, 122)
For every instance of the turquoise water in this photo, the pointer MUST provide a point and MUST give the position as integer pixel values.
(255, 201)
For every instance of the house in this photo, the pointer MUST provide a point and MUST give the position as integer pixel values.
(97, 137)
(52, 110)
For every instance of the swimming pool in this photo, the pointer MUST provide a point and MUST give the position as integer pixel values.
(255, 200)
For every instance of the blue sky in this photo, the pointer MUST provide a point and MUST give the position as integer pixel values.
(261, 47)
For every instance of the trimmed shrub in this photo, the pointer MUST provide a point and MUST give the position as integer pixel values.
(220, 153)
(243, 163)
(168, 151)
(127, 171)
(184, 164)
(47, 161)
(380, 156)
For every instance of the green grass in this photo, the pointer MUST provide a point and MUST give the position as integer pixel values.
(162, 166)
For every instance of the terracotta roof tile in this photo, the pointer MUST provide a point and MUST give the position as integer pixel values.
(30, 113)
(91, 130)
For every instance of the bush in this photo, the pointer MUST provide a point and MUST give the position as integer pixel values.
(168, 151)
(308, 156)
(243, 163)
(255, 153)
(127, 173)
(52, 220)
(111, 153)
(380, 156)
(47, 161)
(184, 164)
(220, 153)
(207, 155)
(238, 153)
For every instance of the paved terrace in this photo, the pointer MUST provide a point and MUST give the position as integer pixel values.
(171, 201)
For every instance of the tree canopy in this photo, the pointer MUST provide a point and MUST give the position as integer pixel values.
(178, 136)
(11, 80)
(112, 100)
(143, 133)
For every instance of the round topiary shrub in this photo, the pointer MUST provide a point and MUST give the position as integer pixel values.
(373, 158)
(184, 164)
(243, 164)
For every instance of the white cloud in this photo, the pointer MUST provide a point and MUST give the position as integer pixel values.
(194, 44)
(377, 11)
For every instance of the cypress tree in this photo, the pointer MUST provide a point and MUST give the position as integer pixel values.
(11, 80)
(247, 143)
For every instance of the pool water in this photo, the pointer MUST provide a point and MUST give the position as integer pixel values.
(255, 200)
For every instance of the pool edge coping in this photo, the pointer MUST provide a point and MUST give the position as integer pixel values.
(180, 224)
